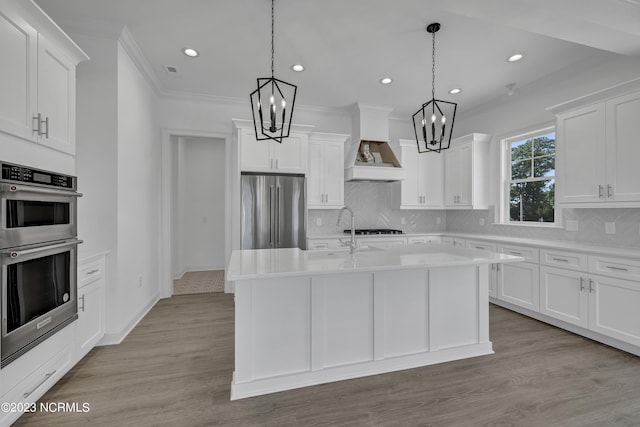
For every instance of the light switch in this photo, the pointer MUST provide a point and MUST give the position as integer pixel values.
(610, 227)
(403, 220)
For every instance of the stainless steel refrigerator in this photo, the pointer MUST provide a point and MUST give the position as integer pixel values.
(274, 211)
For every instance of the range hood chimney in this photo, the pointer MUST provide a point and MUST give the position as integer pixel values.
(369, 157)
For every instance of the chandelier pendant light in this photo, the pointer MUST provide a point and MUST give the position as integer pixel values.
(433, 122)
(272, 102)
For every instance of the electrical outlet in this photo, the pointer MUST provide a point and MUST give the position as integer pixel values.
(403, 220)
(572, 225)
(610, 227)
(140, 281)
(481, 222)
(438, 220)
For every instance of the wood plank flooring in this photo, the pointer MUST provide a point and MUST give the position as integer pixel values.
(175, 369)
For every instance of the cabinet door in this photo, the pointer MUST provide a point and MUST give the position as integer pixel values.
(519, 285)
(255, 156)
(90, 325)
(316, 175)
(613, 308)
(410, 195)
(465, 176)
(580, 154)
(431, 177)
(290, 155)
(334, 174)
(564, 295)
(18, 50)
(56, 97)
(451, 176)
(623, 148)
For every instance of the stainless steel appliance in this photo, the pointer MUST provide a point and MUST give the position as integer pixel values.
(38, 257)
(273, 211)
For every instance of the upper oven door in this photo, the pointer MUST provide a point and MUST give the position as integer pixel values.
(31, 214)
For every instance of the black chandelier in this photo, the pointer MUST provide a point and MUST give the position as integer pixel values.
(432, 131)
(272, 103)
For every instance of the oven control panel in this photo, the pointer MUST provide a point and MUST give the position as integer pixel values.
(23, 174)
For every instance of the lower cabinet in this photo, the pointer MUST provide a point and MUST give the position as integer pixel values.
(494, 269)
(564, 295)
(519, 283)
(91, 311)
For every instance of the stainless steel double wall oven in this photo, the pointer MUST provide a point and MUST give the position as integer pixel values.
(38, 249)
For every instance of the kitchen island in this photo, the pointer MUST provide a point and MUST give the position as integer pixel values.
(312, 317)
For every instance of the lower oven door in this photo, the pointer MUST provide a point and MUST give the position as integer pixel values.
(39, 285)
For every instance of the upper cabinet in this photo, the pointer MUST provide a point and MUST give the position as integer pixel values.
(268, 155)
(597, 149)
(325, 178)
(465, 165)
(38, 79)
(423, 186)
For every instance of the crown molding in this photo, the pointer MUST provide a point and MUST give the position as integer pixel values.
(132, 49)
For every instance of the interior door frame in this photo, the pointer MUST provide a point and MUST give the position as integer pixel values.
(166, 218)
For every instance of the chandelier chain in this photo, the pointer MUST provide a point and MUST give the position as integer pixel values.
(272, 37)
(433, 66)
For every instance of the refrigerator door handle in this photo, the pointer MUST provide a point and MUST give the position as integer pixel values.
(278, 216)
(271, 216)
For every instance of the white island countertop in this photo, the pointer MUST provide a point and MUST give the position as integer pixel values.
(266, 263)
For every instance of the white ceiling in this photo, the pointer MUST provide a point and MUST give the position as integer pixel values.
(348, 45)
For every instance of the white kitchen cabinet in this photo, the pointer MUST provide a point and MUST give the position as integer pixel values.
(325, 177)
(494, 269)
(564, 295)
(454, 241)
(613, 308)
(423, 186)
(38, 89)
(270, 156)
(597, 149)
(91, 307)
(427, 238)
(466, 169)
(519, 283)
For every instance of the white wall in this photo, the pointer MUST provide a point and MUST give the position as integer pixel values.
(199, 204)
(138, 198)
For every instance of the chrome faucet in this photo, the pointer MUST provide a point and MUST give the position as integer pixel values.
(352, 242)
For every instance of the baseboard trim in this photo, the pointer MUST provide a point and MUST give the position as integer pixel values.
(116, 337)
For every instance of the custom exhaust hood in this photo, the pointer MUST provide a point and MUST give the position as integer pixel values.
(369, 157)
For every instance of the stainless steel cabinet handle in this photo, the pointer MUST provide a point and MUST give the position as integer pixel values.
(17, 254)
(515, 253)
(277, 214)
(271, 215)
(600, 191)
(82, 306)
(94, 271)
(46, 377)
(560, 259)
(581, 284)
(609, 191)
(590, 285)
(38, 124)
(16, 188)
(610, 267)
(46, 132)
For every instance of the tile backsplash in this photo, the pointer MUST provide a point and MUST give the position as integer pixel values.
(590, 222)
(374, 207)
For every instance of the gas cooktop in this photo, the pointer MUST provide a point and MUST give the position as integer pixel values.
(369, 231)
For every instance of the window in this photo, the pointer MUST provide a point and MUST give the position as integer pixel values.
(529, 193)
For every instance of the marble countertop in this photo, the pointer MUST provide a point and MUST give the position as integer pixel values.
(269, 263)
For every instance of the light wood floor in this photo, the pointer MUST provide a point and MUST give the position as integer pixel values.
(175, 370)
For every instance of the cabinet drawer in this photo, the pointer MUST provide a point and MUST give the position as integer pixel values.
(318, 244)
(454, 241)
(90, 272)
(530, 254)
(38, 382)
(483, 246)
(622, 268)
(423, 239)
(562, 259)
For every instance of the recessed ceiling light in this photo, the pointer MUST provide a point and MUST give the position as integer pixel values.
(386, 80)
(297, 68)
(515, 57)
(455, 90)
(190, 52)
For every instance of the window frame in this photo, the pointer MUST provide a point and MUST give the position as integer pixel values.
(505, 177)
